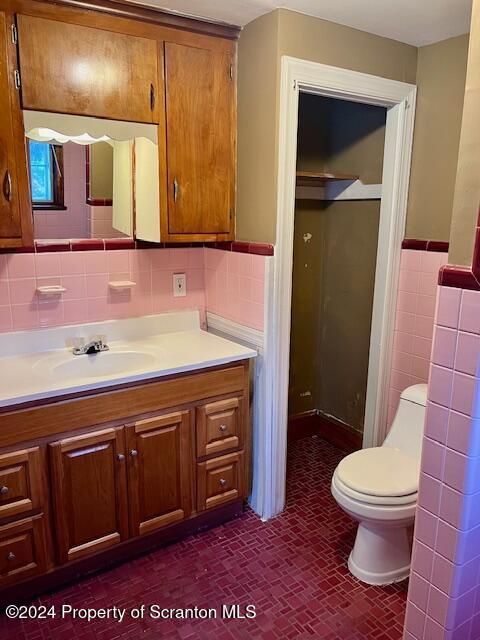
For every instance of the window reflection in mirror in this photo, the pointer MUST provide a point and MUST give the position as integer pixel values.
(90, 178)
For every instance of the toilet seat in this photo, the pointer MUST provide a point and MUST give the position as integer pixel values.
(387, 501)
(379, 475)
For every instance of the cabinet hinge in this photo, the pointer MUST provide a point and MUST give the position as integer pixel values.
(14, 34)
(231, 214)
(18, 81)
(231, 72)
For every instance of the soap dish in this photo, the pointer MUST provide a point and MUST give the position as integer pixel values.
(50, 290)
(121, 285)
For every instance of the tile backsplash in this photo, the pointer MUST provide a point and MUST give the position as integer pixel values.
(414, 321)
(224, 282)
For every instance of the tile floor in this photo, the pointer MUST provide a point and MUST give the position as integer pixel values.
(292, 568)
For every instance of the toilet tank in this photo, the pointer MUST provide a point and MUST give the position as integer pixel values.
(406, 432)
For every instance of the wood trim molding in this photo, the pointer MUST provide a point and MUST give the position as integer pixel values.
(125, 9)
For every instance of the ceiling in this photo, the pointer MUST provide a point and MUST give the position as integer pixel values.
(416, 22)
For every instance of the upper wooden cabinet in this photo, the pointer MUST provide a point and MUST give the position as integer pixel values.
(15, 214)
(200, 120)
(174, 72)
(69, 68)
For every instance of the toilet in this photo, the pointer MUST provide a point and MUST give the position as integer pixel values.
(378, 488)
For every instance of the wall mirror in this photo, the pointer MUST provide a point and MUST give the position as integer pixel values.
(92, 178)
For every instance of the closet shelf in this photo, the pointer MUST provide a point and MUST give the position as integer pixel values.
(312, 179)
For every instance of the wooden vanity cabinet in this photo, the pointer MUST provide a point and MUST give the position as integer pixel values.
(159, 471)
(89, 492)
(15, 208)
(165, 456)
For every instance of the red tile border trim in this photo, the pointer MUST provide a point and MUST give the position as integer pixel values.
(459, 277)
(425, 245)
(99, 202)
(111, 244)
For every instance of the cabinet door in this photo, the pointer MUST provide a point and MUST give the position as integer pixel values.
(68, 68)
(89, 492)
(159, 471)
(200, 114)
(15, 209)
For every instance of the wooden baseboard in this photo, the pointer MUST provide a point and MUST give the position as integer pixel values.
(309, 423)
(73, 571)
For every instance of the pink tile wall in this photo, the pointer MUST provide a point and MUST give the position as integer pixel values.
(444, 592)
(414, 322)
(234, 286)
(99, 223)
(85, 275)
(227, 283)
(71, 223)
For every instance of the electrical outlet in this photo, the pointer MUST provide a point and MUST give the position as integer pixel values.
(179, 285)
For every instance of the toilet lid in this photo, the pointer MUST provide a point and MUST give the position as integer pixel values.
(380, 471)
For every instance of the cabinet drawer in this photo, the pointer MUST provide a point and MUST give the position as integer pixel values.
(219, 480)
(219, 426)
(20, 481)
(22, 549)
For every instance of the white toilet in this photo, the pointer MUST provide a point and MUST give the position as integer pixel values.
(378, 487)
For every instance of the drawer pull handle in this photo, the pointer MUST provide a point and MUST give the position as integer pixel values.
(11, 556)
(7, 186)
(133, 453)
(223, 482)
(120, 457)
(4, 490)
(223, 428)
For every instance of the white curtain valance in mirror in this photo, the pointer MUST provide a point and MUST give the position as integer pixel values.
(46, 127)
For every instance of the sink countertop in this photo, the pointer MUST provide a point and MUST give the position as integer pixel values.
(32, 375)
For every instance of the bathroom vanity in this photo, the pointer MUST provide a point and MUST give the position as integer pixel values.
(105, 455)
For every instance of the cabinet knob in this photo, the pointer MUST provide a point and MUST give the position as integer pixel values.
(120, 457)
(175, 190)
(223, 428)
(4, 490)
(11, 556)
(222, 482)
(133, 453)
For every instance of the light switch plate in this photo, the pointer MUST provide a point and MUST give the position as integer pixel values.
(179, 285)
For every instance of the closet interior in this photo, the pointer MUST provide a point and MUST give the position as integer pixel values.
(340, 151)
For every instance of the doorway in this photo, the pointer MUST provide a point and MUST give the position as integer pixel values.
(340, 149)
(398, 98)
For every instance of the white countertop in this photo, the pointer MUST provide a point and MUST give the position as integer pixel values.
(140, 348)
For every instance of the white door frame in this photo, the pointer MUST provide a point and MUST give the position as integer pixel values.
(399, 98)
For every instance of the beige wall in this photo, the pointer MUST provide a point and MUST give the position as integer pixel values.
(101, 170)
(332, 297)
(467, 187)
(257, 129)
(440, 78)
(441, 85)
(261, 45)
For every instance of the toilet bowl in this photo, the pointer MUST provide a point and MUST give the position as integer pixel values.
(378, 488)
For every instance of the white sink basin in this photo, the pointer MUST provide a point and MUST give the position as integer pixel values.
(105, 363)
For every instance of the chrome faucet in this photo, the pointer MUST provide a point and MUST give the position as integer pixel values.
(95, 345)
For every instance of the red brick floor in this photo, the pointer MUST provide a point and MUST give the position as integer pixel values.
(292, 568)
